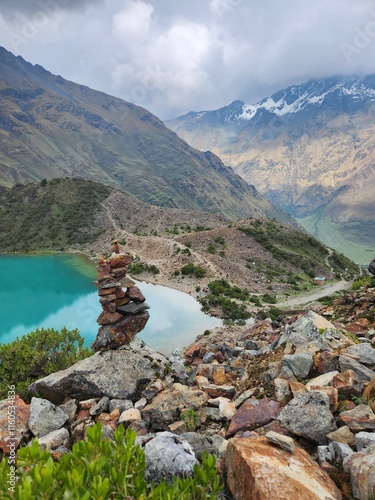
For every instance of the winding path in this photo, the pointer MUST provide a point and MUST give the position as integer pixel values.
(314, 295)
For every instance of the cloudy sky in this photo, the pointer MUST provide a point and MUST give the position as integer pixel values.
(174, 56)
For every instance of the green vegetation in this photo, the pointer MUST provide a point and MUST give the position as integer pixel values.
(297, 248)
(191, 419)
(36, 355)
(100, 469)
(192, 270)
(364, 281)
(220, 294)
(51, 216)
(137, 267)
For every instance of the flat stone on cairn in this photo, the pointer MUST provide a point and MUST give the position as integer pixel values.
(124, 312)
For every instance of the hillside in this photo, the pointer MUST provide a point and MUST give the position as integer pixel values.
(309, 149)
(50, 127)
(260, 255)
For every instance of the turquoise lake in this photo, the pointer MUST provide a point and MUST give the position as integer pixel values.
(57, 290)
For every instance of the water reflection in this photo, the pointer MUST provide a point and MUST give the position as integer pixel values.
(49, 292)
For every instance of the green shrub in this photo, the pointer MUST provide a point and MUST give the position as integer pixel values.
(38, 354)
(366, 280)
(99, 469)
(192, 270)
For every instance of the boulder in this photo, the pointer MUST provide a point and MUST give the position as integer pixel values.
(257, 470)
(113, 336)
(364, 440)
(199, 442)
(252, 414)
(300, 364)
(121, 374)
(321, 381)
(309, 416)
(347, 382)
(360, 418)
(361, 467)
(305, 330)
(348, 363)
(342, 435)
(166, 407)
(364, 352)
(55, 439)
(134, 294)
(45, 417)
(168, 456)
(371, 267)
(18, 428)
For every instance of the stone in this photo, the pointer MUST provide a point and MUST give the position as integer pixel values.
(140, 427)
(364, 440)
(54, 439)
(365, 354)
(371, 267)
(152, 389)
(364, 373)
(297, 388)
(219, 376)
(309, 416)
(109, 286)
(119, 273)
(208, 357)
(347, 382)
(100, 407)
(321, 381)
(283, 393)
(213, 414)
(339, 452)
(87, 404)
(168, 456)
(106, 299)
(121, 374)
(304, 330)
(140, 404)
(215, 444)
(284, 442)
(257, 470)
(106, 291)
(217, 391)
(129, 416)
(166, 406)
(178, 427)
(119, 260)
(108, 318)
(70, 408)
(121, 333)
(122, 301)
(326, 362)
(261, 327)
(120, 404)
(252, 414)
(178, 369)
(335, 339)
(45, 417)
(243, 397)
(134, 294)
(333, 396)
(361, 418)
(324, 454)
(226, 408)
(342, 435)
(361, 467)
(19, 426)
(299, 364)
(133, 308)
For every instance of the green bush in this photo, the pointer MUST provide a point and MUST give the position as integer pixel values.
(364, 281)
(38, 354)
(192, 270)
(99, 469)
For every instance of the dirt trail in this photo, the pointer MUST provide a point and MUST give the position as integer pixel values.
(314, 295)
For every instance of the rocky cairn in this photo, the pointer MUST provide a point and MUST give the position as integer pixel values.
(124, 311)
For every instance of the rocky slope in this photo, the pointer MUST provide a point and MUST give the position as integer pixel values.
(308, 148)
(287, 406)
(50, 127)
(261, 255)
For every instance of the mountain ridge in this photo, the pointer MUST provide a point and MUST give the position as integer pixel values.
(51, 127)
(312, 156)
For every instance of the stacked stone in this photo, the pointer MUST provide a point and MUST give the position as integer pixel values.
(124, 312)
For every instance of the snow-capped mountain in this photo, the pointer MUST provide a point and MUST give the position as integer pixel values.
(309, 148)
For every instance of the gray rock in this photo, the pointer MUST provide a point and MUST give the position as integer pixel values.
(215, 444)
(133, 308)
(364, 440)
(300, 332)
(361, 467)
(251, 345)
(45, 417)
(70, 408)
(55, 439)
(300, 364)
(309, 416)
(339, 452)
(364, 373)
(371, 267)
(140, 404)
(360, 418)
(213, 414)
(120, 374)
(284, 442)
(335, 339)
(364, 352)
(100, 407)
(168, 456)
(121, 404)
(208, 357)
(324, 454)
(178, 369)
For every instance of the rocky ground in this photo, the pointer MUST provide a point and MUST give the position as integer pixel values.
(287, 406)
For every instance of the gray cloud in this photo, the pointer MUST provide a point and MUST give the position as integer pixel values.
(172, 57)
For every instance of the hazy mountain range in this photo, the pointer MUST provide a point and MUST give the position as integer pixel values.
(50, 127)
(309, 148)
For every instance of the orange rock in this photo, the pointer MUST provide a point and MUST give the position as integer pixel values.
(108, 318)
(220, 377)
(258, 470)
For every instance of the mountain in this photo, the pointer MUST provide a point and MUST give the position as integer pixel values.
(50, 127)
(78, 215)
(309, 148)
